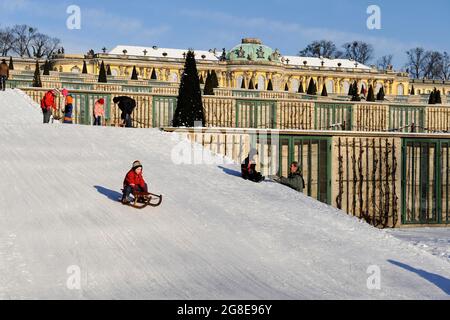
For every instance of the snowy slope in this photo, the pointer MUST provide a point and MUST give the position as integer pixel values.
(215, 236)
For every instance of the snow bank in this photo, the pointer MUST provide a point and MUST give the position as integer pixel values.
(215, 236)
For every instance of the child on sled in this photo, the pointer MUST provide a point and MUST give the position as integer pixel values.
(134, 182)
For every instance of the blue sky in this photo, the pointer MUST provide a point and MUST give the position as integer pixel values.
(205, 24)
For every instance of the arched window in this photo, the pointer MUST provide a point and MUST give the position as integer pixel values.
(330, 86)
(378, 86)
(75, 70)
(345, 87)
(294, 85)
(173, 77)
(261, 83)
(400, 90)
(239, 81)
(114, 72)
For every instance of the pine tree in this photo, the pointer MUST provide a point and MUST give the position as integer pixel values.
(380, 94)
(312, 89)
(108, 70)
(154, 76)
(432, 98)
(134, 75)
(202, 81)
(189, 105)
(46, 68)
(37, 83)
(370, 95)
(11, 64)
(286, 87)
(438, 97)
(413, 91)
(214, 80)
(102, 75)
(251, 86)
(355, 96)
(270, 85)
(324, 91)
(209, 90)
(300, 88)
(84, 68)
(243, 84)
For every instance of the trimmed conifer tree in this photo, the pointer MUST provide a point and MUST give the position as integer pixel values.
(270, 85)
(251, 86)
(243, 84)
(108, 70)
(380, 94)
(432, 98)
(11, 64)
(286, 87)
(154, 76)
(312, 89)
(189, 104)
(438, 97)
(209, 90)
(370, 95)
(84, 68)
(300, 88)
(134, 74)
(102, 74)
(214, 80)
(324, 91)
(413, 91)
(202, 81)
(37, 83)
(46, 68)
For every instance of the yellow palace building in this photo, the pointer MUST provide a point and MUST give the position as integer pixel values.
(248, 64)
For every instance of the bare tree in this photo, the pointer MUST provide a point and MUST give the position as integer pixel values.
(43, 45)
(433, 65)
(416, 62)
(24, 35)
(6, 41)
(322, 48)
(445, 66)
(359, 51)
(385, 62)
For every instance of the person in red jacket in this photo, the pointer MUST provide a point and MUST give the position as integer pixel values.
(48, 103)
(134, 181)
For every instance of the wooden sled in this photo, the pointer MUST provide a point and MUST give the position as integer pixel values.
(144, 199)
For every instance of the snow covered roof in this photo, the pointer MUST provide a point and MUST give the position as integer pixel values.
(327, 63)
(156, 52)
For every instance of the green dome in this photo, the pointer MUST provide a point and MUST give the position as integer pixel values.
(252, 50)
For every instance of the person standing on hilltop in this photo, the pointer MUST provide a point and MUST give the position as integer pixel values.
(4, 74)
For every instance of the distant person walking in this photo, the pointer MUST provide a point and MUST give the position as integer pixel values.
(68, 107)
(48, 103)
(99, 112)
(4, 74)
(126, 105)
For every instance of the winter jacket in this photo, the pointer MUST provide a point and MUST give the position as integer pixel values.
(48, 101)
(133, 179)
(99, 110)
(126, 105)
(68, 110)
(294, 181)
(4, 70)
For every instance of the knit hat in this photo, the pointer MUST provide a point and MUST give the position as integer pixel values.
(101, 101)
(65, 92)
(137, 164)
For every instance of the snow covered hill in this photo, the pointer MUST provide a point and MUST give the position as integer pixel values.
(215, 236)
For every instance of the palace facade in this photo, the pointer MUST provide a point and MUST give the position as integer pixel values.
(248, 64)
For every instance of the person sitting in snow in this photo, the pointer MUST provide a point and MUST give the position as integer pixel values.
(248, 168)
(295, 179)
(134, 182)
